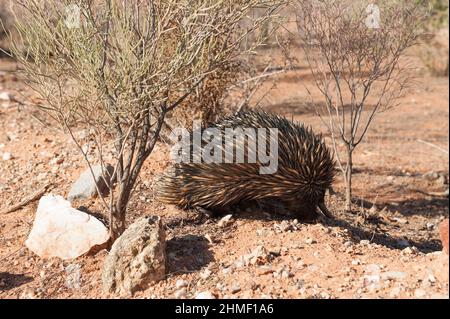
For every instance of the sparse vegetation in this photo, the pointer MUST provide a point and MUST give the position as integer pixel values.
(354, 51)
(120, 68)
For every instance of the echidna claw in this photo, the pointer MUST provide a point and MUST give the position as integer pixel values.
(325, 210)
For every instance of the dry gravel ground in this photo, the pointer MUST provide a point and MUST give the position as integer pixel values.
(391, 251)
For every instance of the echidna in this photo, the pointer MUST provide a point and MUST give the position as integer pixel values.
(305, 172)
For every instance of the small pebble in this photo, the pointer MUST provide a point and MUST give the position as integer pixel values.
(5, 96)
(180, 293)
(6, 156)
(235, 289)
(356, 262)
(181, 283)
(225, 221)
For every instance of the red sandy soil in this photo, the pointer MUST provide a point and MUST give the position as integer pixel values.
(330, 259)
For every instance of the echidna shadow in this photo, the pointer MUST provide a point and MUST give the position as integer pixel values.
(306, 169)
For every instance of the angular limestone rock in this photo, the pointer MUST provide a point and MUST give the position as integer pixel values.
(62, 231)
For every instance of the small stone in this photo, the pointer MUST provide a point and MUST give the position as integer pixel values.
(313, 268)
(431, 176)
(348, 244)
(205, 295)
(431, 279)
(239, 263)
(235, 288)
(225, 221)
(430, 226)
(6, 156)
(5, 96)
(284, 226)
(229, 270)
(410, 251)
(181, 283)
(301, 264)
(259, 256)
(356, 262)
(310, 241)
(181, 293)
(85, 186)
(365, 242)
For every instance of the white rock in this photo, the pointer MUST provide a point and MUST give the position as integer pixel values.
(62, 231)
(5, 96)
(181, 283)
(225, 221)
(85, 187)
(205, 295)
(6, 156)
